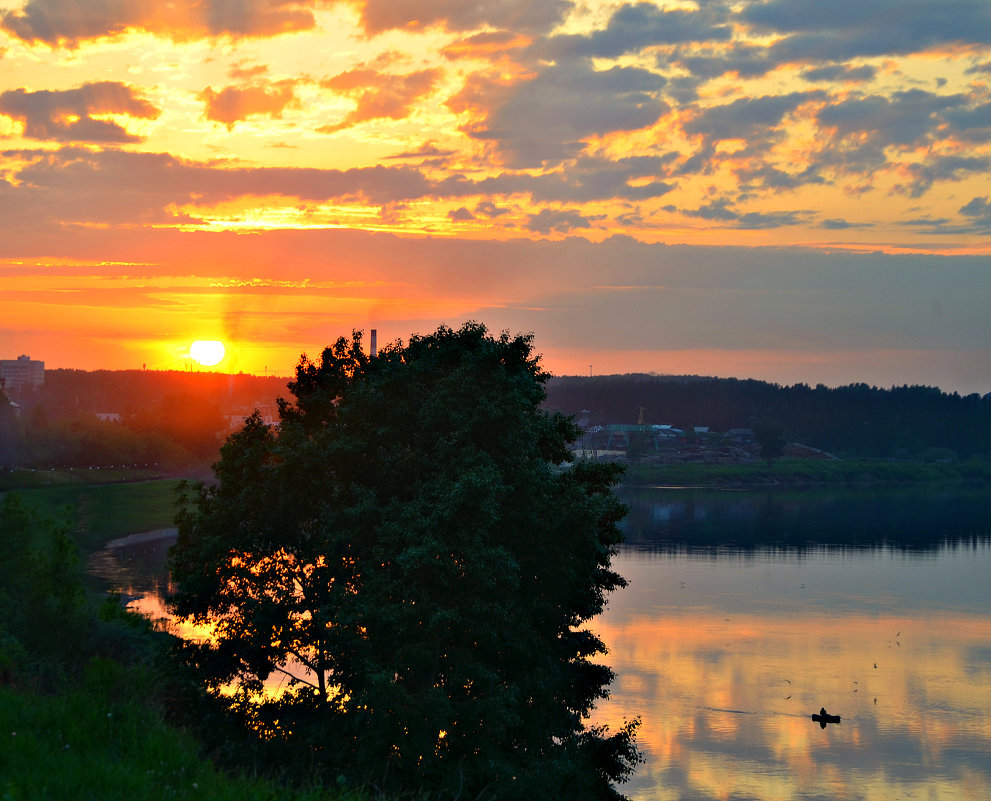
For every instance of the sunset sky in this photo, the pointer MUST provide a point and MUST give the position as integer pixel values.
(792, 190)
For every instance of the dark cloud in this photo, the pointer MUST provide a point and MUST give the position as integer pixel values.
(67, 22)
(979, 210)
(903, 119)
(749, 118)
(428, 150)
(972, 124)
(460, 215)
(544, 120)
(931, 225)
(65, 116)
(584, 180)
(561, 221)
(489, 209)
(599, 179)
(844, 29)
(379, 95)
(944, 168)
(234, 103)
(769, 177)
(463, 15)
(839, 224)
(637, 26)
(683, 89)
(834, 73)
(743, 60)
(721, 211)
(118, 187)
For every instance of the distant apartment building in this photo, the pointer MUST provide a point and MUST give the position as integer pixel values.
(22, 372)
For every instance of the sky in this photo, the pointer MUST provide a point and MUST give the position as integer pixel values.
(789, 190)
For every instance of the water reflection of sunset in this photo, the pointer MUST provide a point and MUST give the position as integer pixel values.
(724, 654)
(725, 701)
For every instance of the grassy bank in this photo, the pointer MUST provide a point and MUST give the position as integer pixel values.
(95, 514)
(807, 471)
(99, 741)
(90, 706)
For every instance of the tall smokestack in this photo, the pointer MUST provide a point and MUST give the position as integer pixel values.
(373, 347)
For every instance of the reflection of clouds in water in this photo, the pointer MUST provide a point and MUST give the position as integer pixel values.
(718, 722)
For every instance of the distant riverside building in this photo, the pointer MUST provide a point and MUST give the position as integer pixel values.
(22, 372)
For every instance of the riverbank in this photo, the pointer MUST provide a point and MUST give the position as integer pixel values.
(103, 740)
(799, 472)
(90, 704)
(94, 514)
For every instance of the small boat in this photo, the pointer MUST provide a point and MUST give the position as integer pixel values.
(823, 717)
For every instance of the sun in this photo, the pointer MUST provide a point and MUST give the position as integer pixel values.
(207, 352)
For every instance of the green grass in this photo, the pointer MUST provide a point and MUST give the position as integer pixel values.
(99, 741)
(96, 514)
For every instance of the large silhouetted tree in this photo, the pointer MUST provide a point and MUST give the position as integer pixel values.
(411, 546)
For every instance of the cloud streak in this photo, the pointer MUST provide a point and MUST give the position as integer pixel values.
(69, 22)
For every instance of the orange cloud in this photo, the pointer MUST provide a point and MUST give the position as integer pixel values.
(487, 45)
(232, 104)
(380, 95)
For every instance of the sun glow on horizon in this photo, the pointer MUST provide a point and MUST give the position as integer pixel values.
(281, 178)
(207, 352)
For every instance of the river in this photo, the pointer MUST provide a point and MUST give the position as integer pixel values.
(748, 611)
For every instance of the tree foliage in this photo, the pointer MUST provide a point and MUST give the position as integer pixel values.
(409, 545)
(42, 602)
(770, 436)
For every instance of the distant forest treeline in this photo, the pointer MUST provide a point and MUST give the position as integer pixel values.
(179, 419)
(172, 421)
(855, 420)
(66, 392)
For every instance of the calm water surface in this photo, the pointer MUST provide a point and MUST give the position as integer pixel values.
(724, 649)
(746, 612)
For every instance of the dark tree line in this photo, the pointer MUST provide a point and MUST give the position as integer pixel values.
(173, 420)
(177, 432)
(66, 393)
(854, 420)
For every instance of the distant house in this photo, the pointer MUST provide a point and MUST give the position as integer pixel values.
(22, 372)
(620, 434)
